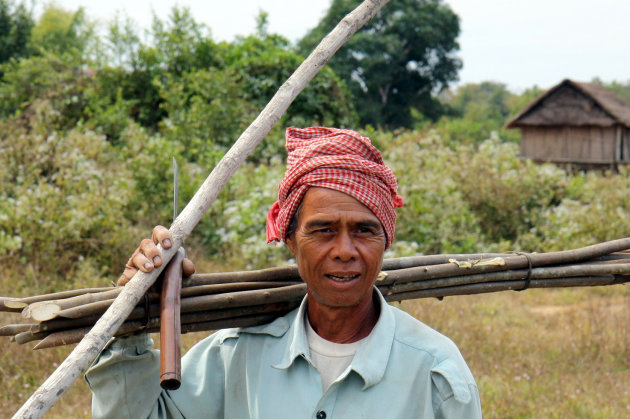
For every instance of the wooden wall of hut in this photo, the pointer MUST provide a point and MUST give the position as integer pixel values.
(624, 139)
(567, 144)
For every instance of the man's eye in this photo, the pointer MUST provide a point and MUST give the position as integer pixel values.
(323, 230)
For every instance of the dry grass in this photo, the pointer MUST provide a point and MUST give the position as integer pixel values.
(557, 353)
(562, 353)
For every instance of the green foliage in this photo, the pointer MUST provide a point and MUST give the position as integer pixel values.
(593, 211)
(469, 198)
(622, 90)
(505, 192)
(62, 198)
(26, 80)
(265, 63)
(435, 217)
(77, 96)
(206, 112)
(60, 31)
(477, 110)
(398, 62)
(16, 23)
(235, 227)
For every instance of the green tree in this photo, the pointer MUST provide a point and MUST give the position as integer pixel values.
(622, 90)
(174, 47)
(15, 30)
(485, 100)
(266, 61)
(398, 62)
(60, 31)
(475, 110)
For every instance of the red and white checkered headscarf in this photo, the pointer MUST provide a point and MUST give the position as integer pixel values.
(337, 159)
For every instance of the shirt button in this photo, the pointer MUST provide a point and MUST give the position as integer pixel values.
(321, 415)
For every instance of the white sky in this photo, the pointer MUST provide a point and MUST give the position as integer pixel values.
(519, 43)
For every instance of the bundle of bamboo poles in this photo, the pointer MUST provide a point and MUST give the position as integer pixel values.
(236, 299)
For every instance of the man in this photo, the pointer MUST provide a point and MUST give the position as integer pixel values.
(344, 353)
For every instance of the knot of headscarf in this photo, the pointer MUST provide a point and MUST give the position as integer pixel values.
(337, 159)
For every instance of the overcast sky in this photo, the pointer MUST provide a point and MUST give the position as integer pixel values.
(519, 43)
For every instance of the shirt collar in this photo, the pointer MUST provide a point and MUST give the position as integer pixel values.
(298, 343)
(371, 358)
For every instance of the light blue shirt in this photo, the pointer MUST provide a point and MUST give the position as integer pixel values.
(404, 369)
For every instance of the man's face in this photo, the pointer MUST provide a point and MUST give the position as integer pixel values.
(339, 245)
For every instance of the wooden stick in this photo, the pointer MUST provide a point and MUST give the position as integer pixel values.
(47, 310)
(57, 295)
(87, 351)
(507, 286)
(514, 262)
(14, 329)
(283, 273)
(11, 304)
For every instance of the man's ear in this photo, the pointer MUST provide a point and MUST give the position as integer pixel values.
(290, 241)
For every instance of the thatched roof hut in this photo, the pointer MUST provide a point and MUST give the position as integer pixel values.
(576, 123)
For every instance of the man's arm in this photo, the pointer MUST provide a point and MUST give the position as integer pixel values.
(125, 381)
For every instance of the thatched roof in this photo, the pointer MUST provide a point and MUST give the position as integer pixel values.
(574, 104)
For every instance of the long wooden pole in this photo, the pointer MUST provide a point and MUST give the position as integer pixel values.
(94, 342)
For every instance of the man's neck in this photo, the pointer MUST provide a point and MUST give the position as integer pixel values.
(343, 324)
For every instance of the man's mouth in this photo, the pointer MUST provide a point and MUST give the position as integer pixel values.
(342, 278)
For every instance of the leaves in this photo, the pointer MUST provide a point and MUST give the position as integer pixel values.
(398, 62)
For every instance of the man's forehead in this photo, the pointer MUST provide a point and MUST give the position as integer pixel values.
(326, 206)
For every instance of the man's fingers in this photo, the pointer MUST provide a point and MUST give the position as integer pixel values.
(141, 262)
(147, 255)
(151, 252)
(188, 267)
(163, 236)
(126, 276)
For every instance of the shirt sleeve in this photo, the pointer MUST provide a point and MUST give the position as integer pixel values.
(125, 379)
(455, 394)
(125, 382)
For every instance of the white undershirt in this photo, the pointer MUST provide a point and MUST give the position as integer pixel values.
(329, 358)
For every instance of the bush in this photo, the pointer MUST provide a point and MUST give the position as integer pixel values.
(595, 210)
(62, 200)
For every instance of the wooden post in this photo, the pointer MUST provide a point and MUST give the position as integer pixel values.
(93, 343)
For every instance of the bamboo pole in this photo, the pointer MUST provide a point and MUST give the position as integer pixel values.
(89, 348)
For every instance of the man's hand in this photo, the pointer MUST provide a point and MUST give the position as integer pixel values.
(147, 256)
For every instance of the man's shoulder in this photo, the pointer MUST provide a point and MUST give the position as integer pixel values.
(420, 337)
(230, 336)
(449, 372)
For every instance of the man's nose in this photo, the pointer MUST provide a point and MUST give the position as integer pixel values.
(344, 247)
